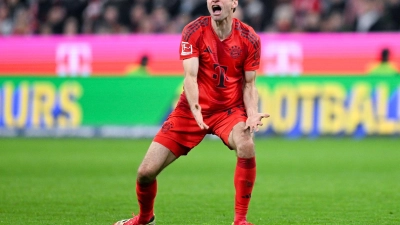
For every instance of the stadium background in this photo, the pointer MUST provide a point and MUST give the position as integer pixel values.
(85, 84)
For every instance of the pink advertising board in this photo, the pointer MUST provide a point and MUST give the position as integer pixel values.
(327, 54)
(282, 54)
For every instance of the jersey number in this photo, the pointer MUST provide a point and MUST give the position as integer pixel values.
(220, 75)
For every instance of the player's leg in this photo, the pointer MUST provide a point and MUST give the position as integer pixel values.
(229, 126)
(241, 141)
(178, 135)
(245, 173)
(156, 159)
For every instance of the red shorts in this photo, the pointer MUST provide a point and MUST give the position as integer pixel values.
(180, 132)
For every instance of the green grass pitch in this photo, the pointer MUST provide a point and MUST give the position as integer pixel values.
(92, 181)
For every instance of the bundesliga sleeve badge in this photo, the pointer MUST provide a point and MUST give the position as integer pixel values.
(186, 48)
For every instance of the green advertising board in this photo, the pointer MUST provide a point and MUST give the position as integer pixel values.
(137, 106)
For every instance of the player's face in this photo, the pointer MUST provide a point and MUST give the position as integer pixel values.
(221, 9)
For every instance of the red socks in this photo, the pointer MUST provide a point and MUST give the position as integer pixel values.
(146, 193)
(245, 175)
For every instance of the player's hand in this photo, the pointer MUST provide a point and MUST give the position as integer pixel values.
(254, 121)
(196, 111)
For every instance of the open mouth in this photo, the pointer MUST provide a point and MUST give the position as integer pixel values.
(216, 9)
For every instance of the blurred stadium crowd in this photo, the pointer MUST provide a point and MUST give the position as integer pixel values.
(25, 17)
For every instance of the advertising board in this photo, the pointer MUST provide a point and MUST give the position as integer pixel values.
(282, 55)
(137, 106)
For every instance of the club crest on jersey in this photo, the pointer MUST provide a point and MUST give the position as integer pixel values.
(186, 48)
(235, 51)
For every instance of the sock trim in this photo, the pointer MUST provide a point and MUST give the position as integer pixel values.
(246, 163)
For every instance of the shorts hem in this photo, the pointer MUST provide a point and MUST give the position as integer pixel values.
(176, 148)
(230, 127)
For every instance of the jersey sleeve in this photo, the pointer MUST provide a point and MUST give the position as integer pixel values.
(252, 61)
(188, 46)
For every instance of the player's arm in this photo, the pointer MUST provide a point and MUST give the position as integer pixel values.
(191, 68)
(250, 98)
(250, 94)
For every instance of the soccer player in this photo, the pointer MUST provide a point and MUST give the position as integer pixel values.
(220, 57)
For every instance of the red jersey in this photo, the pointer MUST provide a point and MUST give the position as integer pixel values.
(221, 63)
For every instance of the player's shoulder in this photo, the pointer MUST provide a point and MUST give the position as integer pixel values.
(246, 31)
(243, 27)
(196, 26)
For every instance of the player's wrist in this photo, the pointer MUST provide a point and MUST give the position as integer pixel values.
(251, 112)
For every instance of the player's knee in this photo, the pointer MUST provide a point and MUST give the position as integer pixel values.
(246, 145)
(245, 149)
(145, 175)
